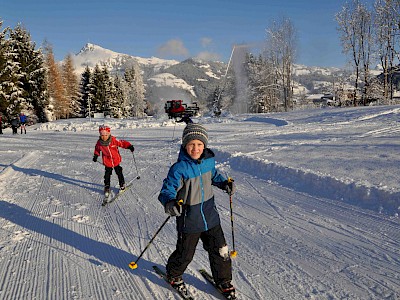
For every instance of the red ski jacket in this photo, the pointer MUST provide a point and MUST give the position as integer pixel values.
(110, 154)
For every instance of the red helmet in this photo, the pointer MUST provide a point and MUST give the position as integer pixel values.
(104, 130)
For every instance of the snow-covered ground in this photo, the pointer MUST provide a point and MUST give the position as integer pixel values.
(315, 213)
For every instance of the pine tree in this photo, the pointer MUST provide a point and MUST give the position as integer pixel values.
(71, 86)
(11, 87)
(107, 86)
(86, 92)
(3, 63)
(117, 97)
(38, 92)
(31, 72)
(97, 90)
(23, 48)
(136, 90)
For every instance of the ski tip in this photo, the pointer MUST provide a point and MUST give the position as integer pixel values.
(233, 254)
(133, 265)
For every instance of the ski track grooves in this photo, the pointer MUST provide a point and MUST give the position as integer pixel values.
(308, 247)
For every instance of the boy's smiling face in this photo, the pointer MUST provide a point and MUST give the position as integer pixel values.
(195, 149)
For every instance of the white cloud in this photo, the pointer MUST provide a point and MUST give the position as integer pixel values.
(205, 41)
(205, 55)
(174, 47)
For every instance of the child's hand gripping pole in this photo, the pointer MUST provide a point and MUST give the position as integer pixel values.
(233, 252)
(133, 265)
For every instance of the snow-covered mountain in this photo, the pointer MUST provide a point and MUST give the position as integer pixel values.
(189, 80)
(194, 79)
(92, 54)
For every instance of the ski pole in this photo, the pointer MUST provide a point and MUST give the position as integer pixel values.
(134, 160)
(133, 264)
(233, 252)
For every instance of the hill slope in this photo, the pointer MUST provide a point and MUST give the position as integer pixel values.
(305, 225)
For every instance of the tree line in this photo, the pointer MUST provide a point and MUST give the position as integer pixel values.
(368, 35)
(31, 81)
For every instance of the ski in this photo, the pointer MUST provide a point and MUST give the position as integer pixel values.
(184, 293)
(210, 279)
(108, 200)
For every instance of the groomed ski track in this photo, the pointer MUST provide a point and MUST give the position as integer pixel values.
(57, 242)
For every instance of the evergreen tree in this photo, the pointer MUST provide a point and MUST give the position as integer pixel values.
(86, 92)
(118, 97)
(11, 87)
(71, 87)
(26, 64)
(3, 63)
(107, 87)
(136, 90)
(31, 69)
(97, 90)
(38, 92)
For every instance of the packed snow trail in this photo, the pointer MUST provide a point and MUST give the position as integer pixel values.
(57, 242)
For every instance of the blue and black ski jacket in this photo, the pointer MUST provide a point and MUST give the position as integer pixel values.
(192, 180)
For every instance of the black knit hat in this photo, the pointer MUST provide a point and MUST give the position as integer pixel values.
(194, 131)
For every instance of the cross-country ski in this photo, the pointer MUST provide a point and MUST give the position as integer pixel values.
(110, 197)
(227, 291)
(181, 289)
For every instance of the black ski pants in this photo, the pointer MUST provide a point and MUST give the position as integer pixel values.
(213, 242)
(118, 171)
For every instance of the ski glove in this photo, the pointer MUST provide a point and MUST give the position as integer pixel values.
(95, 158)
(173, 209)
(131, 148)
(229, 187)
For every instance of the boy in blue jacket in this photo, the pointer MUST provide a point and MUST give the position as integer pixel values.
(191, 179)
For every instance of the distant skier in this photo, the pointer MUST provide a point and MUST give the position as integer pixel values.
(108, 146)
(22, 120)
(15, 124)
(191, 179)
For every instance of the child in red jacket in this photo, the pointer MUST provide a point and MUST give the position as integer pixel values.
(108, 146)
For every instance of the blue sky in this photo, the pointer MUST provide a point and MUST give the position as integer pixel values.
(176, 29)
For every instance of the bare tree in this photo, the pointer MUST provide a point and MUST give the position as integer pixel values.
(280, 53)
(264, 90)
(387, 24)
(355, 27)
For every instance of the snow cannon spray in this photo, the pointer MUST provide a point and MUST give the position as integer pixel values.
(133, 265)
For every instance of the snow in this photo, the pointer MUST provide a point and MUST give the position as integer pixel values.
(315, 212)
(91, 55)
(170, 80)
